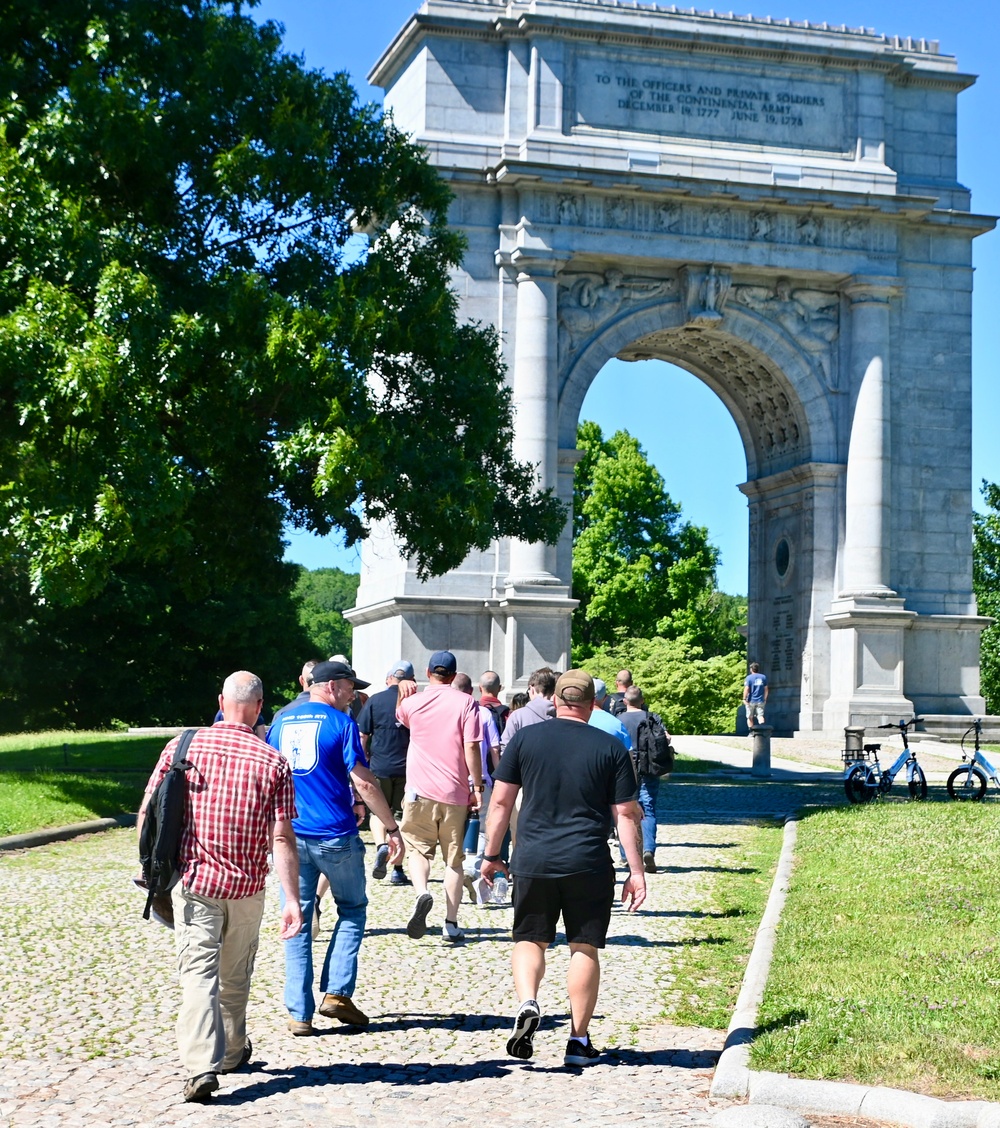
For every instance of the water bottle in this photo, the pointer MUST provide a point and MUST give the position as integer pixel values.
(500, 887)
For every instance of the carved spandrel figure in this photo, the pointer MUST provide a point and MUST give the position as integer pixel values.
(593, 299)
(810, 316)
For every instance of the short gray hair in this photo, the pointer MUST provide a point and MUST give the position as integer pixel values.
(243, 688)
(490, 683)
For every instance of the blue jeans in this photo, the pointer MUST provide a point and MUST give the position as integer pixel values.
(649, 788)
(342, 862)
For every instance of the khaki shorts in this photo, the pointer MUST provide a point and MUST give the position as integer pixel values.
(427, 823)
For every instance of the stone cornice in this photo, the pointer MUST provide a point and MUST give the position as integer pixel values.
(703, 33)
(898, 208)
(803, 476)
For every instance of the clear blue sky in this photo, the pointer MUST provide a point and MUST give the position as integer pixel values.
(689, 435)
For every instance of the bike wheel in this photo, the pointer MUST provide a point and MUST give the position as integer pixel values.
(857, 788)
(918, 784)
(967, 782)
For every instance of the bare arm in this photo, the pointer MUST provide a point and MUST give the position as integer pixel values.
(474, 762)
(497, 821)
(366, 738)
(286, 862)
(628, 817)
(371, 794)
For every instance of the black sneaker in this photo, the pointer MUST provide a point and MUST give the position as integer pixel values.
(579, 1054)
(381, 856)
(416, 926)
(399, 878)
(649, 862)
(520, 1043)
(200, 1088)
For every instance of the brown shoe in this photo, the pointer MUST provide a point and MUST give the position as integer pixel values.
(299, 1029)
(342, 1008)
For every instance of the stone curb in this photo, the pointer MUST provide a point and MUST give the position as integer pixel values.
(62, 833)
(733, 1079)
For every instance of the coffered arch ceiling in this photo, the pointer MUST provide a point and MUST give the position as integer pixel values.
(773, 388)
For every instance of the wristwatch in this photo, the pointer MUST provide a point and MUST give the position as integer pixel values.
(480, 787)
(491, 857)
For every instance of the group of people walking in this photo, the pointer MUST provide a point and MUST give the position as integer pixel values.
(555, 774)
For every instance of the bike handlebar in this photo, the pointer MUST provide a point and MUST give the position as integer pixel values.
(900, 724)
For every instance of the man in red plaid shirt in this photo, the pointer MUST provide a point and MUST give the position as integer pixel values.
(239, 792)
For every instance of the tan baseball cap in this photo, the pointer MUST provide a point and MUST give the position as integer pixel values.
(575, 687)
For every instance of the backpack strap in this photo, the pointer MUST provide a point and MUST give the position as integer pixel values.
(179, 762)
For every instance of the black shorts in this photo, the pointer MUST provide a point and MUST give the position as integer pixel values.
(584, 899)
(393, 788)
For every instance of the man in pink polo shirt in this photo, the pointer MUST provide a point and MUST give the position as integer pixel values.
(444, 779)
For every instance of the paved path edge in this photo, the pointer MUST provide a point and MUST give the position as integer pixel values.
(733, 1079)
(62, 833)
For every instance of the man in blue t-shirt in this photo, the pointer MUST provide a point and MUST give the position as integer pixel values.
(755, 695)
(320, 741)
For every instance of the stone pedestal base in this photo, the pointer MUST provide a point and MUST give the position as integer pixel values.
(512, 634)
(867, 651)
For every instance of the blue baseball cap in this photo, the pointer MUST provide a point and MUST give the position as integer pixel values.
(442, 662)
(400, 669)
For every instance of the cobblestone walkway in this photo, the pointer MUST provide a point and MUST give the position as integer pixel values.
(86, 1036)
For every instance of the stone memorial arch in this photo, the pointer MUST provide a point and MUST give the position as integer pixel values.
(773, 207)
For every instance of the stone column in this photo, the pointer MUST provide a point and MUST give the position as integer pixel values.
(866, 554)
(868, 620)
(535, 423)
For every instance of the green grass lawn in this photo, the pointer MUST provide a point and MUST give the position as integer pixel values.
(56, 778)
(887, 965)
(715, 953)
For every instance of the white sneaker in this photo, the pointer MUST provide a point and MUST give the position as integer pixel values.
(452, 934)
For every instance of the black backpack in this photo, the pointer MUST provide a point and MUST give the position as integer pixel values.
(500, 713)
(617, 706)
(654, 752)
(160, 837)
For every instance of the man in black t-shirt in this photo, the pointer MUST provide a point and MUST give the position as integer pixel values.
(576, 781)
(386, 742)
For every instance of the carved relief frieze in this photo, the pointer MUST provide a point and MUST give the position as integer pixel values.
(588, 302)
(697, 219)
(810, 317)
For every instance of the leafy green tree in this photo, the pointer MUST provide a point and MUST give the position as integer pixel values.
(323, 594)
(639, 569)
(143, 652)
(182, 312)
(691, 693)
(224, 306)
(986, 585)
